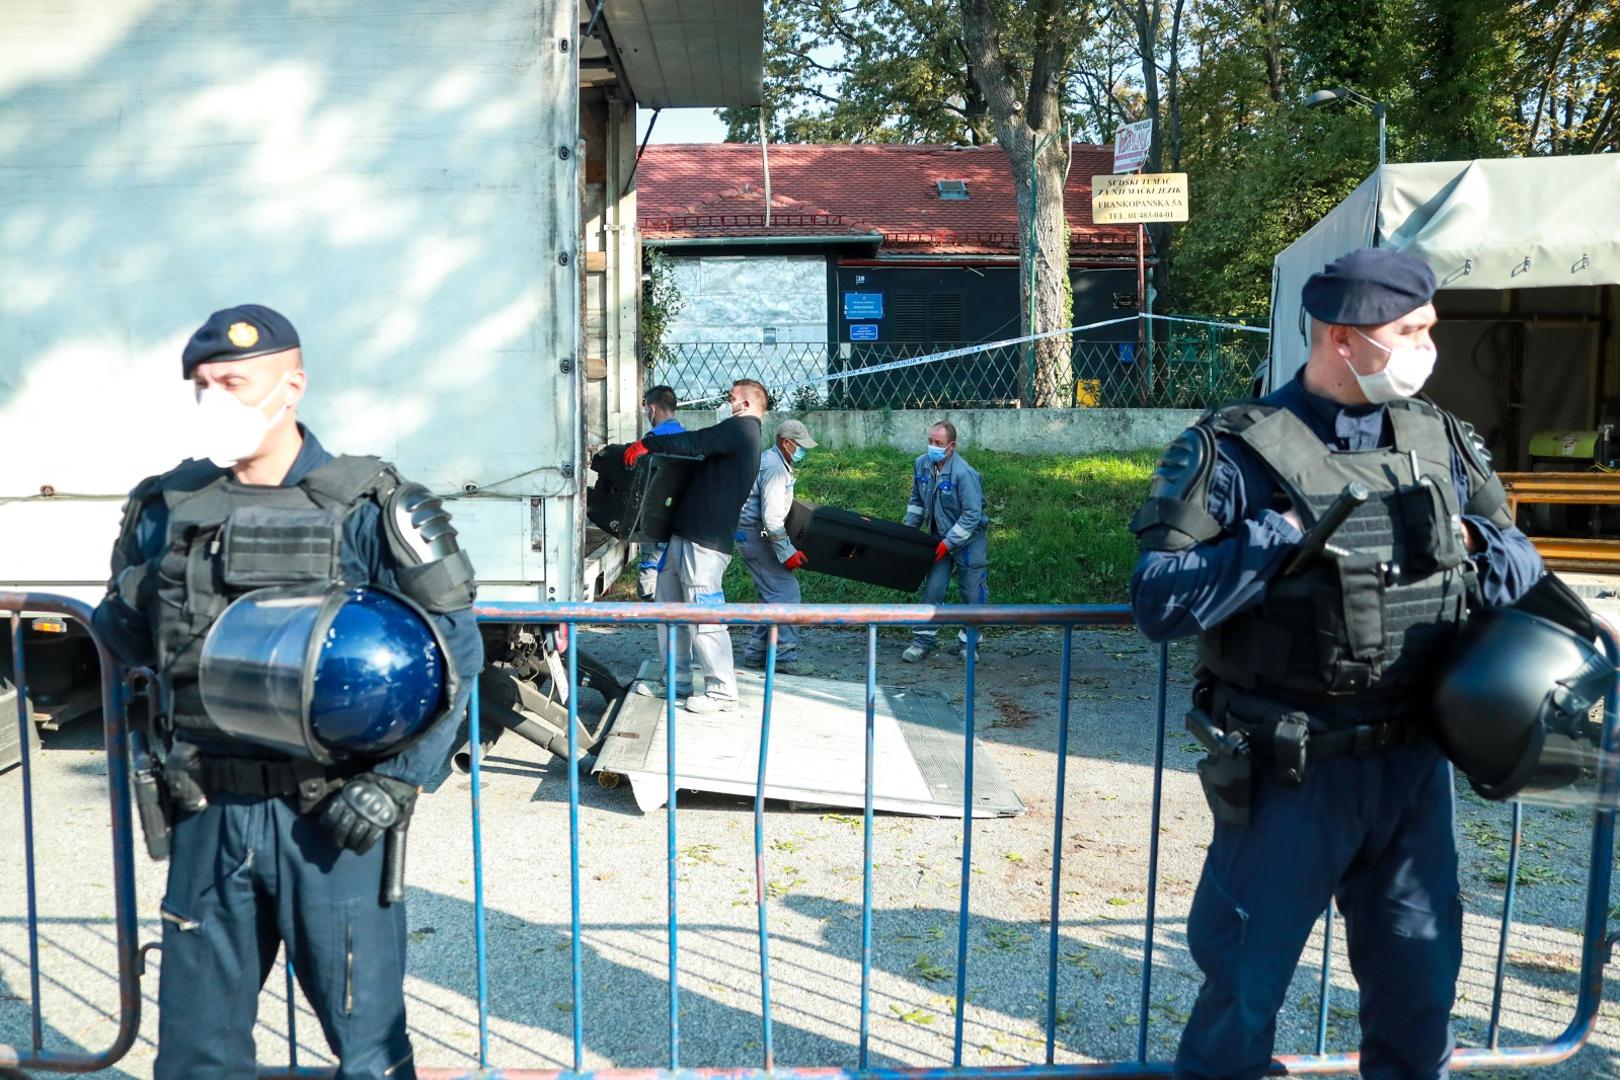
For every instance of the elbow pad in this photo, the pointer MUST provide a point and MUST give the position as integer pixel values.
(1175, 515)
(433, 570)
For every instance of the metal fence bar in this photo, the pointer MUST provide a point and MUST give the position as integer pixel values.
(20, 669)
(1494, 1032)
(1325, 987)
(866, 846)
(292, 1015)
(115, 748)
(20, 679)
(759, 854)
(1057, 844)
(1143, 1015)
(576, 960)
(480, 942)
(971, 659)
(669, 811)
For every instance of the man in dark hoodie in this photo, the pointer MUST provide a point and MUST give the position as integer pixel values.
(700, 547)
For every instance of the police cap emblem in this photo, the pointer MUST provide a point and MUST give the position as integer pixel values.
(243, 335)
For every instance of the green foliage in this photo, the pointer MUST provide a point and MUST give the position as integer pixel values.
(661, 301)
(1460, 79)
(1058, 530)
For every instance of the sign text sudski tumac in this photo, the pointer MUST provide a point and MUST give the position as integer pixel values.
(1120, 200)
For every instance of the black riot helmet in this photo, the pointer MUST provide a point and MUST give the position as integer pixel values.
(1513, 710)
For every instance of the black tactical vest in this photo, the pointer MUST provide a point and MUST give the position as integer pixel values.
(1375, 614)
(226, 538)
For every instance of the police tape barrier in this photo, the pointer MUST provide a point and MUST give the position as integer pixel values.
(1595, 941)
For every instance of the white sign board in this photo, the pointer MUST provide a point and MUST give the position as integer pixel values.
(1128, 200)
(1131, 143)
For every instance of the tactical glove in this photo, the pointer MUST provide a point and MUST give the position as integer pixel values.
(365, 808)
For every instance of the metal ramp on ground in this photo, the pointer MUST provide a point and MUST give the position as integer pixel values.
(817, 751)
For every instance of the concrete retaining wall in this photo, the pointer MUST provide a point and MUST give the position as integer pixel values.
(1022, 431)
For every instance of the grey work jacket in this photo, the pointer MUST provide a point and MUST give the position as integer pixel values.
(765, 512)
(948, 501)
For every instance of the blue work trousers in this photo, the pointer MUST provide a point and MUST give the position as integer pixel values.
(776, 584)
(245, 875)
(971, 565)
(1375, 833)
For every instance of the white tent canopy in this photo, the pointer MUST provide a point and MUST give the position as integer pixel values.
(1517, 223)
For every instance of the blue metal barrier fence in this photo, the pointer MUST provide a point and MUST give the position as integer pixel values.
(1595, 940)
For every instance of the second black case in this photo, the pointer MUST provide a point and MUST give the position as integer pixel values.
(850, 545)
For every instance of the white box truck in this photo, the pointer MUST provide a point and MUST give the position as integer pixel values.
(440, 196)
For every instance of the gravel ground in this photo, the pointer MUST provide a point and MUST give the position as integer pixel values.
(813, 874)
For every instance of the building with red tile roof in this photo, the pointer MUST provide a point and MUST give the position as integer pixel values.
(891, 200)
(868, 253)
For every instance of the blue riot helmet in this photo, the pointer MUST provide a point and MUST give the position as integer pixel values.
(325, 672)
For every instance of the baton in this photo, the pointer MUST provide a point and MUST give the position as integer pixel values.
(393, 890)
(1353, 495)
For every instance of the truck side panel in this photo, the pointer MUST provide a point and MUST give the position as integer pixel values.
(397, 176)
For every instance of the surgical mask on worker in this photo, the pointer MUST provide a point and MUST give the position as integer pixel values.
(798, 454)
(1408, 369)
(722, 412)
(229, 429)
(937, 454)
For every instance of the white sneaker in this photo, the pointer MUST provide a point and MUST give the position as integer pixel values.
(654, 688)
(710, 703)
(915, 653)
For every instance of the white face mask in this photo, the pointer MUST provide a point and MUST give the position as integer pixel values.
(722, 412)
(229, 429)
(1409, 367)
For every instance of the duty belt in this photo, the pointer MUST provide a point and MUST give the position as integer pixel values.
(270, 779)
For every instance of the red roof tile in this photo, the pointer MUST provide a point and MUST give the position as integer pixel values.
(717, 189)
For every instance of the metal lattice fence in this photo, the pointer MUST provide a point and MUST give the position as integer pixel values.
(1194, 368)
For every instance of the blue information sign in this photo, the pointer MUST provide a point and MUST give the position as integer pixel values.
(863, 305)
(1127, 352)
(863, 331)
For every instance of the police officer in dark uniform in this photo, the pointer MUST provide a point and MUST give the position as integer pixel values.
(267, 847)
(1317, 649)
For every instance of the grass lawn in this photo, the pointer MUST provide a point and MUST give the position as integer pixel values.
(1058, 530)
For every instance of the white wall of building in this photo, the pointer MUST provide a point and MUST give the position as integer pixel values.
(745, 316)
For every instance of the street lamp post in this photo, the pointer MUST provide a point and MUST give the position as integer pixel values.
(1344, 93)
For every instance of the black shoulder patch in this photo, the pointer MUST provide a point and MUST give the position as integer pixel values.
(1238, 417)
(1486, 496)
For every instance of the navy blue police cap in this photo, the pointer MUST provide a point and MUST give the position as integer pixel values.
(1368, 287)
(238, 333)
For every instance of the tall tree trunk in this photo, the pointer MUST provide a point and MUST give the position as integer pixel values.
(1044, 272)
(1029, 130)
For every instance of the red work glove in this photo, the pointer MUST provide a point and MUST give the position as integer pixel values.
(795, 560)
(634, 451)
(941, 551)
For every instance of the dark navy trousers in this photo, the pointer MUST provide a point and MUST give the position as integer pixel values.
(1375, 833)
(245, 875)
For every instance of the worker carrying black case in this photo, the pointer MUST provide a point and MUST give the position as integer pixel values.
(850, 545)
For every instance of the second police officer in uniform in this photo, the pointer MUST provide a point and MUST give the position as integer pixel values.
(1316, 659)
(267, 848)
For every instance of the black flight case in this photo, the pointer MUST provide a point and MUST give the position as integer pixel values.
(850, 545)
(637, 504)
